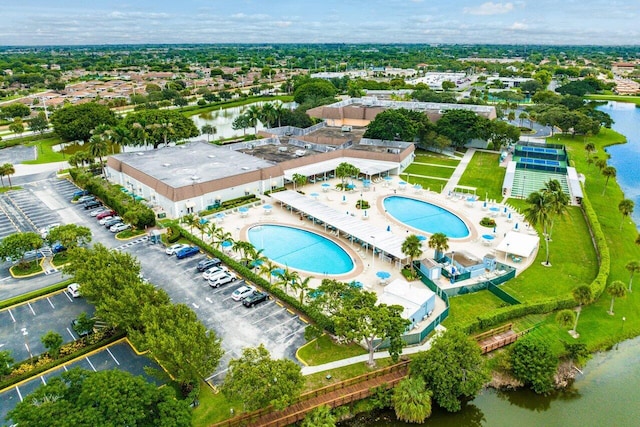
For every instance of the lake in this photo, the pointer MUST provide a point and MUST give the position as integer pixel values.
(608, 391)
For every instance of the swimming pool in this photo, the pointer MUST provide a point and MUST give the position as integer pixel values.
(300, 249)
(425, 216)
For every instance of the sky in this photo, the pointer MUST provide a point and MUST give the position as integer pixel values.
(75, 22)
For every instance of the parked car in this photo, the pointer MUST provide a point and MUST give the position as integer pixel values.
(74, 290)
(171, 250)
(222, 280)
(255, 298)
(214, 271)
(86, 198)
(105, 214)
(113, 221)
(80, 193)
(187, 252)
(119, 227)
(242, 292)
(98, 211)
(206, 264)
(57, 248)
(44, 231)
(92, 204)
(81, 332)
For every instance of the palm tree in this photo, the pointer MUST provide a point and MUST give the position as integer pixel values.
(557, 199)
(253, 117)
(411, 400)
(256, 257)
(539, 212)
(582, 295)
(522, 117)
(566, 318)
(243, 248)
(589, 147)
(440, 243)
(616, 289)
(601, 164)
(211, 229)
(287, 277)
(632, 267)
(279, 110)
(626, 208)
(608, 172)
(412, 247)
(298, 179)
(121, 136)
(267, 267)
(302, 286)
(209, 130)
(99, 147)
(268, 114)
(7, 170)
(222, 236)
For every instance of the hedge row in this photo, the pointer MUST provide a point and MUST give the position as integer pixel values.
(35, 294)
(114, 197)
(314, 315)
(597, 286)
(230, 204)
(22, 140)
(11, 380)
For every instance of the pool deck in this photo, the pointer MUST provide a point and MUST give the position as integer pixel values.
(366, 266)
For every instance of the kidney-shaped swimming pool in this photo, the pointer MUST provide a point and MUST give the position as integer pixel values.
(425, 216)
(300, 249)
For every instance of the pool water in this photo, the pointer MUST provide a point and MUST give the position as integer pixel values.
(425, 216)
(300, 249)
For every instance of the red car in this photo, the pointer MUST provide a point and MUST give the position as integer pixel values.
(105, 214)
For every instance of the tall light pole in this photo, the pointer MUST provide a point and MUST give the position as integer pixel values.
(373, 253)
(621, 332)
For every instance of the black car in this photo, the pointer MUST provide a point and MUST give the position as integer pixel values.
(113, 221)
(206, 264)
(92, 204)
(255, 298)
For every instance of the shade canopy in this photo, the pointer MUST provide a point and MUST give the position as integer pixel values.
(519, 244)
(383, 274)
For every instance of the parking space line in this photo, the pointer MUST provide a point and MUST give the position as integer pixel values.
(228, 298)
(266, 317)
(113, 357)
(254, 309)
(50, 303)
(19, 394)
(216, 374)
(43, 381)
(10, 313)
(91, 364)
(67, 295)
(31, 308)
(292, 334)
(71, 333)
(284, 323)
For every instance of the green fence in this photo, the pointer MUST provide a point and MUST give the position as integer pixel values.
(503, 295)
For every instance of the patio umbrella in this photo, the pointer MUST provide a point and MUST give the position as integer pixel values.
(326, 185)
(509, 216)
(388, 178)
(484, 205)
(351, 186)
(505, 209)
(277, 272)
(267, 207)
(243, 209)
(203, 221)
(314, 195)
(417, 186)
(344, 198)
(226, 244)
(402, 183)
(220, 215)
(355, 284)
(494, 230)
(388, 228)
(515, 227)
(383, 274)
(422, 238)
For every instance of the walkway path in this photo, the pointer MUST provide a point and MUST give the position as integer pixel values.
(308, 370)
(457, 174)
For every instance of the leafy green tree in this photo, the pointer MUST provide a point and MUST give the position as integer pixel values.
(411, 400)
(391, 125)
(14, 110)
(39, 123)
(632, 267)
(312, 332)
(268, 114)
(17, 126)
(105, 398)
(7, 170)
(319, 417)
(298, 180)
(241, 122)
(533, 363)
(258, 380)
(157, 127)
(99, 147)
(538, 212)
(626, 208)
(361, 319)
(333, 296)
(75, 122)
(558, 202)
(52, 341)
(439, 242)
(5, 362)
(180, 343)
(412, 247)
(589, 147)
(84, 324)
(566, 318)
(608, 172)
(15, 245)
(458, 125)
(344, 170)
(616, 289)
(453, 369)
(314, 92)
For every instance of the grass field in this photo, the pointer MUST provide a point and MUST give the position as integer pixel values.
(436, 159)
(484, 173)
(466, 308)
(435, 171)
(325, 350)
(427, 183)
(45, 151)
(621, 98)
(214, 407)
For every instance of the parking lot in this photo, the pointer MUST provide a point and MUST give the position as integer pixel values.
(36, 318)
(119, 355)
(268, 323)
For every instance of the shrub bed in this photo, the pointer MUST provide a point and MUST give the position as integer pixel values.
(230, 204)
(488, 222)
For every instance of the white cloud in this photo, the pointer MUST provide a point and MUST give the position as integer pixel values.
(489, 8)
(518, 26)
(283, 24)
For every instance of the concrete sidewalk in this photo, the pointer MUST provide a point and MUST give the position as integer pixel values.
(457, 174)
(25, 170)
(308, 370)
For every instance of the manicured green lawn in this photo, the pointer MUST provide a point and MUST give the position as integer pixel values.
(621, 98)
(7, 188)
(466, 308)
(325, 350)
(436, 159)
(425, 170)
(45, 151)
(427, 183)
(214, 407)
(484, 173)
(319, 380)
(26, 268)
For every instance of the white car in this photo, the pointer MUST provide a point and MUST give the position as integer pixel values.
(105, 219)
(119, 227)
(171, 250)
(74, 290)
(214, 271)
(241, 292)
(44, 231)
